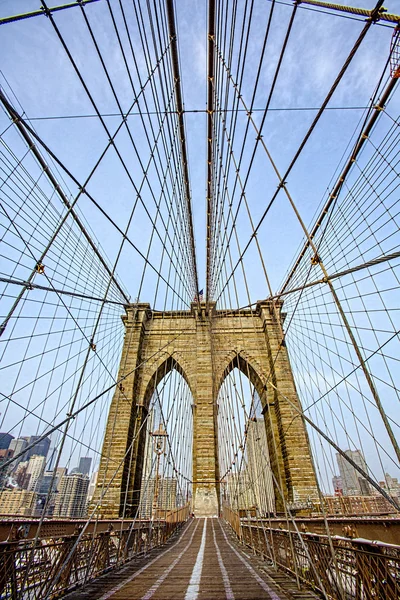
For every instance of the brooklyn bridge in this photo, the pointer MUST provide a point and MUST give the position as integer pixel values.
(199, 328)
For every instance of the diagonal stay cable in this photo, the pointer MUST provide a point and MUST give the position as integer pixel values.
(310, 130)
(18, 119)
(74, 414)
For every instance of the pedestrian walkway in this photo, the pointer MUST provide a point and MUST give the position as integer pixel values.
(205, 563)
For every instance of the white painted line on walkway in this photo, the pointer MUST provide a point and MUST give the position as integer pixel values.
(259, 580)
(194, 585)
(137, 573)
(225, 576)
(167, 571)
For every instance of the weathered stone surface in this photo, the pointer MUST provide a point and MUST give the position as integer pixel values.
(204, 345)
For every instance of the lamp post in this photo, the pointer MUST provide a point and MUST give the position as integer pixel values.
(159, 448)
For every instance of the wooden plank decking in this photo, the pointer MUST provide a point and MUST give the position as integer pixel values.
(204, 563)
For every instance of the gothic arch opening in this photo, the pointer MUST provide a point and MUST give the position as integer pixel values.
(162, 371)
(162, 473)
(243, 453)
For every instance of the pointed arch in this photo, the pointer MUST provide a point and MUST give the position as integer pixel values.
(152, 378)
(249, 367)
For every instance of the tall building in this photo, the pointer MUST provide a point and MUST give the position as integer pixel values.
(17, 502)
(85, 462)
(5, 454)
(51, 457)
(19, 475)
(353, 482)
(44, 485)
(166, 496)
(18, 445)
(39, 449)
(5, 440)
(71, 499)
(43, 491)
(259, 467)
(35, 470)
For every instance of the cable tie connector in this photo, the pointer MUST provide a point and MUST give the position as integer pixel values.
(92, 345)
(121, 387)
(3, 328)
(40, 268)
(315, 260)
(29, 286)
(259, 138)
(45, 10)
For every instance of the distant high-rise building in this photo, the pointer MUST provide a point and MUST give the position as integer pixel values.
(5, 440)
(51, 457)
(43, 487)
(45, 482)
(71, 499)
(353, 482)
(166, 496)
(259, 468)
(35, 470)
(18, 445)
(17, 502)
(19, 474)
(39, 449)
(5, 455)
(85, 462)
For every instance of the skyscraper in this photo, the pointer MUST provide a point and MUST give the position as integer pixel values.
(166, 497)
(354, 484)
(5, 440)
(17, 445)
(85, 462)
(71, 499)
(39, 449)
(35, 470)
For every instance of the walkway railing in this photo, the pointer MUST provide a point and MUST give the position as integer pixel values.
(233, 519)
(56, 565)
(361, 569)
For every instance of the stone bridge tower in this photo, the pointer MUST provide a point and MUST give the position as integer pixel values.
(204, 345)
